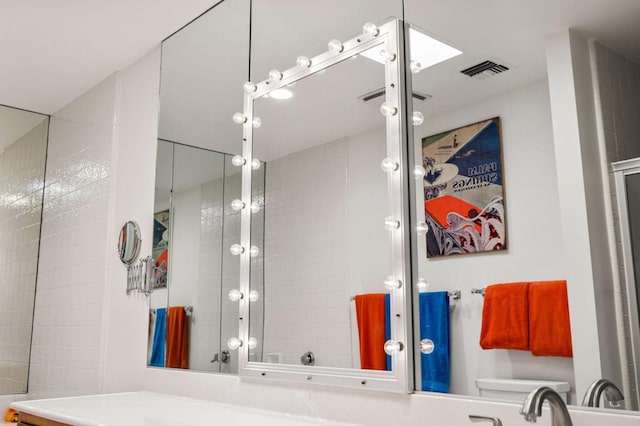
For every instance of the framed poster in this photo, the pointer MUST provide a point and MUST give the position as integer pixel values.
(463, 190)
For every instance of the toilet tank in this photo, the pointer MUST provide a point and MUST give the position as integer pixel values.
(517, 389)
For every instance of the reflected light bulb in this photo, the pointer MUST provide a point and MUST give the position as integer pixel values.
(427, 346)
(235, 295)
(239, 118)
(388, 165)
(253, 342)
(236, 249)
(391, 223)
(256, 122)
(417, 118)
(255, 164)
(255, 207)
(392, 347)
(422, 228)
(335, 46)
(253, 296)
(419, 172)
(423, 285)
(254, 251)
(387, 110)
(370, 29)
(238, 160)
(249, 87)
(234, 343)
(415, 67)
(303, 62)
(275, 75)
(237, 205)
(390, 283)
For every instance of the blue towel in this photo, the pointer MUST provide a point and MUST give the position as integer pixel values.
(159, 333)
(387, 324)
(434, 325)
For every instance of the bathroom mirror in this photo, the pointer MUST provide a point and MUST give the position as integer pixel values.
(129, 242)
(330, 248)
(23, 150)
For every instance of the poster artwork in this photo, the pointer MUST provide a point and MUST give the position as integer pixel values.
(463, 190)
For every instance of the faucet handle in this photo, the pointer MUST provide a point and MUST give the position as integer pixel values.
(494, 420)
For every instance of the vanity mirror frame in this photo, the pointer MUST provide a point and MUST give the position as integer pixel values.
(400, 379)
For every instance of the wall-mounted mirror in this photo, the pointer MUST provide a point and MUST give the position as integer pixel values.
(23, 148)
(129, 242)
(329, 251)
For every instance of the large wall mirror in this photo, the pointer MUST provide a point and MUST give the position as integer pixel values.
(23, 149)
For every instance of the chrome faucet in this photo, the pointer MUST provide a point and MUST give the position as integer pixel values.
(532, 407)
(613, 396)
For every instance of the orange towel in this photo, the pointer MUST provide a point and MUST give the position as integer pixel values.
(549, 326)
(505, 317)
(177, 338)
(371, 331)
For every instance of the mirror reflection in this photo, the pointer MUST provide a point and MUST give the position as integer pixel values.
(326, 251)
(23, 147)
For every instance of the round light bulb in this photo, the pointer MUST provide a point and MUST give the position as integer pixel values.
(417, 118)
(254, 251)
(370, 29)
(253, 296)
(253, 342)
(392, 347)
(236, 249)
(422, 228)
(415, 67)
(419, 172)
(239, 118)
(427, 346)
(256, 122)
(335, 46)
(249, 87)
(390, 283)
(275, 75)
(238, 160)
(391, 223)
(255, 164)
(303, 62)
(388, 165)
(234, 343)
(255, 207)
(387, 110)
(237, 205)
(422, 284)
(235, 295)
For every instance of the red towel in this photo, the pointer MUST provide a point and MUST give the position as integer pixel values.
(371, 331)
(177, 338)
(505, 317)
(549, 326)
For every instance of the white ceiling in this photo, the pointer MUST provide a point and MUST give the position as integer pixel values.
(15, 123)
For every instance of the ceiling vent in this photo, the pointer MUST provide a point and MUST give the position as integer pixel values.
(484, 70)
(380, 92)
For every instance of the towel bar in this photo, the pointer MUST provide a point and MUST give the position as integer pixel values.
(478, 291)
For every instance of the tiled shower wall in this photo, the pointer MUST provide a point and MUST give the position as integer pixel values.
(22, 166)
(68, 321)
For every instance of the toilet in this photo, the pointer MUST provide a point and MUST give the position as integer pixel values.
(516, 389)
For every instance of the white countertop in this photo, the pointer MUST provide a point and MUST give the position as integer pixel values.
(154, 409)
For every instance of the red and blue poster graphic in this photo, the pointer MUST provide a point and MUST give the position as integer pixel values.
(463, 190)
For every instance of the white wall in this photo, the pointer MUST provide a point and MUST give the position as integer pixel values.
(535, 250)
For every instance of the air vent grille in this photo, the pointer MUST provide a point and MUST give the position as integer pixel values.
(381, 92)
(484, 70)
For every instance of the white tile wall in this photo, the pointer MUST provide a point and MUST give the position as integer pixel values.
(68, 325)
(21, 183)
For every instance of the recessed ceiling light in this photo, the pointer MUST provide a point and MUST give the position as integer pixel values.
(281, 94)
(426, 51)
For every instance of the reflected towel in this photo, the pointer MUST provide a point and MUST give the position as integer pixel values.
(370, 312)
(159, 332)
(177, 338)
(549, 326)
(387, 324)
(434, 326)
(505, 317)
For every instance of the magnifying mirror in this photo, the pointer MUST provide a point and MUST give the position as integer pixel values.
(129, 242)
